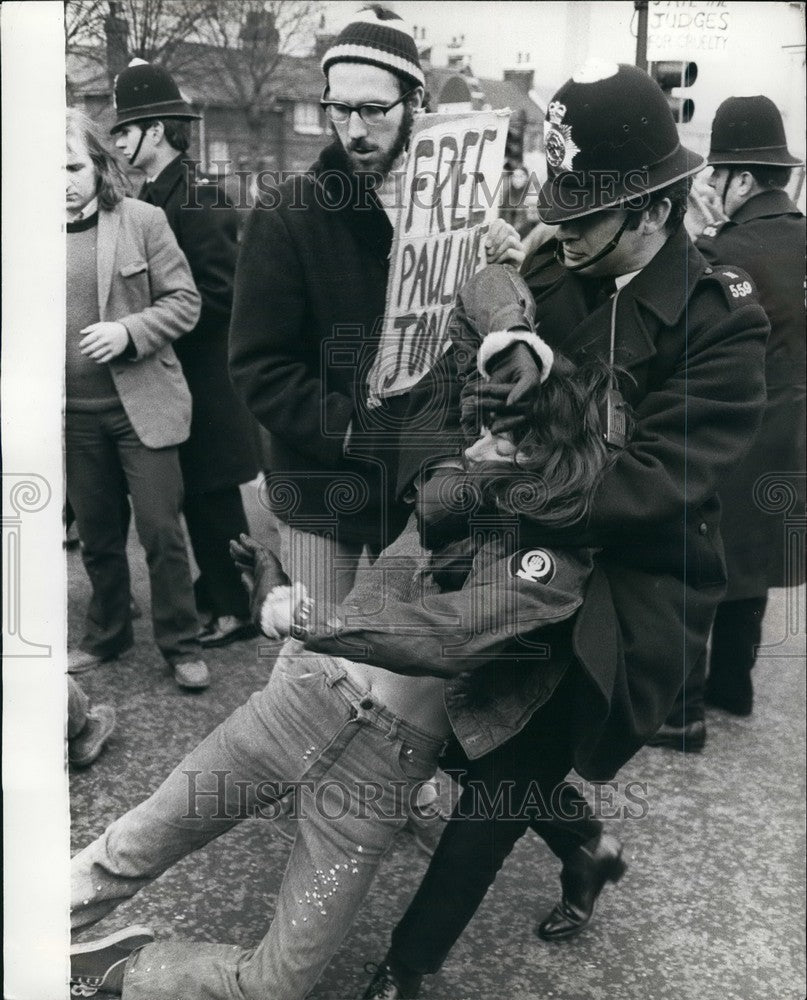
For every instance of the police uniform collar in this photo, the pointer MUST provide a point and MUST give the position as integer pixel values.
(620, 280)
(773, 202)
(665, 284)
(168, 178)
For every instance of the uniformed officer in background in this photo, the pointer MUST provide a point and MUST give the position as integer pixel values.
(152, 130)
(765, 236)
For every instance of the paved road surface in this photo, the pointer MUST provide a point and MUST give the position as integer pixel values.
(712, 906)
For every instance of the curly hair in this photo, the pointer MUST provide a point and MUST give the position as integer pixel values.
(113, 184)
(564, 448)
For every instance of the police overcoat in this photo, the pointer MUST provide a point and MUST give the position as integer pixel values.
(693, 356)
(764, 497)
(220, 449)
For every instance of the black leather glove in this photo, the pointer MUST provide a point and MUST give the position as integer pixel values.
(514, 378)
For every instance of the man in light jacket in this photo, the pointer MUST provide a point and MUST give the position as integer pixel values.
(129, 294)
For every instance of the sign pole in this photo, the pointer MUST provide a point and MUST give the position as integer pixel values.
(641, 34)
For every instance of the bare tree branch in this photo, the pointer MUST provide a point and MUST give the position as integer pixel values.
(247, 43)
(245, 46)
(84, 21)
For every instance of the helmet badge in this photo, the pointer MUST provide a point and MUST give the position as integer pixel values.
(561, 149)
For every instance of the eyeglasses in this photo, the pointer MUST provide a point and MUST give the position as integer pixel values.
(370, 114)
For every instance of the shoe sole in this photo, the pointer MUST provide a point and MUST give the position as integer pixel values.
(116, 938)
(186, 686)
(237, 635)
(741, 711)
(681, 745)
(111, 953)
(85, 668)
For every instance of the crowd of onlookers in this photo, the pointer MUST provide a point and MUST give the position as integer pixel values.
(177, 339)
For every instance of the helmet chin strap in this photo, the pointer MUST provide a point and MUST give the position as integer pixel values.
(137, 147)
(608, 248)
(729, 178)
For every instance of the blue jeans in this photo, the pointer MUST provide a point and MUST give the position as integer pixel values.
(355, 770)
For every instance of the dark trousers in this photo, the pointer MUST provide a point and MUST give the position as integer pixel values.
(526, 775)
(736, 635)
(213, 519)
(105, 458)
(689, 706)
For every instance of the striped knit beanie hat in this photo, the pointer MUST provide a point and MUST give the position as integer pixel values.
(381, 38)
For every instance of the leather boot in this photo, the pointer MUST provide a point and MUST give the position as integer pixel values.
(689, 738)
(582, 879)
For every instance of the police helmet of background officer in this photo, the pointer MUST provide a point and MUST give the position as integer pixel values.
(144, 91)
(610, 137)
(749, 130)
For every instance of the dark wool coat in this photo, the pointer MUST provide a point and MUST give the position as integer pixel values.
(220, 449)
(694, 355)
(694, 358)
(766, 237)
(309, 298)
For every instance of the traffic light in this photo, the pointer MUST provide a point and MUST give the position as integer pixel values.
(676, 76)
(514, 145)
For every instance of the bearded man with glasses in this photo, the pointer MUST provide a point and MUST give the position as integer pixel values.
(309, 299)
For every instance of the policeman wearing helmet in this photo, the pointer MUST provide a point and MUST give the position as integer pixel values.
(622, 282)
(765, 235)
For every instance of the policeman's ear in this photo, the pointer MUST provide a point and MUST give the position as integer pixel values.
(655, 217)
(745, 183)
(157, 132)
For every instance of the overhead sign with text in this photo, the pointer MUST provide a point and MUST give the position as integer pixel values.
(450, 197)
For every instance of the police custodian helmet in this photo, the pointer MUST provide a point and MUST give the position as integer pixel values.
(144, 91)
(749, 130)
(610, 137)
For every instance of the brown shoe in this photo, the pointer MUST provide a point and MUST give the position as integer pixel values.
(192, 675)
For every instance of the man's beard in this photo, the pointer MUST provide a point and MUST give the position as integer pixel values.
(376, 169)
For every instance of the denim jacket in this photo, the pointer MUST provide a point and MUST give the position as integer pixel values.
(483, 637)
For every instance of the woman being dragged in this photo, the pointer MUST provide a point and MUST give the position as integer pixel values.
(466, 584)
(353, 742)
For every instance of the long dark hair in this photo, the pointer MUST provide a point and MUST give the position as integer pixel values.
(112, 182)
(564, 450)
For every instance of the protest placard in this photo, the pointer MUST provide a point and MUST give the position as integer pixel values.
(450, 197)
